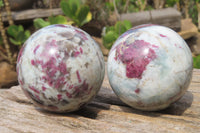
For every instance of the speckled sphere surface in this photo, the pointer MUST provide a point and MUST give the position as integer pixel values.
(150, 67)
(61, 68)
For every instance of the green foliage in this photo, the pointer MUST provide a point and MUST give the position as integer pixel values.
(109, 39)
(40, 23)
(110, 6)
(76, 11)
(18, 34)
(132, 6)
(193, 12)
(57, 20)
(120, 5)
(113, 32)
(197, 1)
(171, 3)
(1, 3)
(196, 62)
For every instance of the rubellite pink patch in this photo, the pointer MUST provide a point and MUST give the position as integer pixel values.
(149, 67)
(135, 57)
(61, 68)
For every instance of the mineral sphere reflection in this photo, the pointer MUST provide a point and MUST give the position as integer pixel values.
(61, 68)
(149, 67)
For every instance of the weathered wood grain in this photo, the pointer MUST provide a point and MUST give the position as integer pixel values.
(106, 113)
(32, 14)
(169, 17)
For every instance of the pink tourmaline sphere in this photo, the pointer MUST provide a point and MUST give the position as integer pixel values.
(150, 67)
(61, 68)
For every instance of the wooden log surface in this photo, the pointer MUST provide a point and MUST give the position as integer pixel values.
(32, 14)
(105, 113)
(169, 17)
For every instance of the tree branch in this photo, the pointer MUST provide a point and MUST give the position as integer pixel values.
(3, 55)
(126, 6)
(116, 11)
(9, 15)
(5, 42)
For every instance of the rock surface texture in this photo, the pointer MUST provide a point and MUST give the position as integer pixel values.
(60, 68)
(149, 67)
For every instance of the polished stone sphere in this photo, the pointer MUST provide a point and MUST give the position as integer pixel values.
(150, 67)
(61, 68)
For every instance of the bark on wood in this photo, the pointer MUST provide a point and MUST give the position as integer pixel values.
(32, 14)
(169, 17)
(106, 113)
